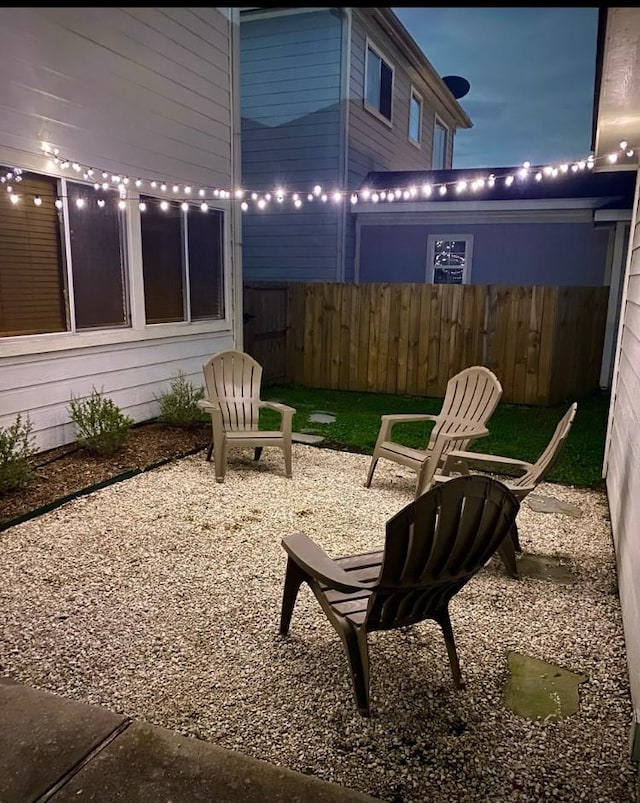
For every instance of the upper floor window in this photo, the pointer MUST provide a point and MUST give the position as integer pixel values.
(415, 117)
(378, 93)
(182, 263)
(440, 142)
(449, 258)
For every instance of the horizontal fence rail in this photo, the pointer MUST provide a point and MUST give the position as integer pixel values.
(544, 343)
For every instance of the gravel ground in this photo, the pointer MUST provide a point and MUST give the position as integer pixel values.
(159, 598)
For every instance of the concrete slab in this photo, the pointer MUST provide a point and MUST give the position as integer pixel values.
(43, 736)
(549, 504)
(148, 764)
(544, 567)
(322, 417)
(538, 690)
(306, 437)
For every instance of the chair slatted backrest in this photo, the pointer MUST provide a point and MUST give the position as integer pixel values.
(472, 395)
(549, 457)
(233, 380)
(435, 545)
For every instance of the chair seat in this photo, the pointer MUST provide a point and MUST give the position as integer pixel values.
(249, 434)
(404, 452)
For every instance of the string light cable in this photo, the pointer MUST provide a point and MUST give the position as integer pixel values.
(168, 194)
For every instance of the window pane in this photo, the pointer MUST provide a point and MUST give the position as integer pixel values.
(162, 260)
(449, 260)
(414, 119)
(439, 147)
(32, 298)
(205, 235)
(373, 79)
(97, 261)
(386, 85)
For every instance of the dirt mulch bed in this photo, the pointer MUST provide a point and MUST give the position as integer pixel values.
(68, 470)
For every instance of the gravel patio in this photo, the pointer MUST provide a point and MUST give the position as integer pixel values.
(159, 598)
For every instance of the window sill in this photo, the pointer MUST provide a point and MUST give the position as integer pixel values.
(67, 341)
(375, 113)
(415, 143)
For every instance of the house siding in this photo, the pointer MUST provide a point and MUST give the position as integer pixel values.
(623, 465)
(523, 253)
(373, 145)
(137, 91)
(291, 132)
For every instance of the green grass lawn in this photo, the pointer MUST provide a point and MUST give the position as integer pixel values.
(514, 430)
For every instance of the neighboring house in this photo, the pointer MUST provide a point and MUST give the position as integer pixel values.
(616, 121)
(99, 285)
(328, 95)
(568, 230)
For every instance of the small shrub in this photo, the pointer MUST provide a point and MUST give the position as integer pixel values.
(179, 405)
(15, 450)
(101, 426)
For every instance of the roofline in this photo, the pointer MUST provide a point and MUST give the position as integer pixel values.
(412, 50)
(597, 84)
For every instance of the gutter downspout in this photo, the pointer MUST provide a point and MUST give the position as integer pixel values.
(343, 166)
(236, 177)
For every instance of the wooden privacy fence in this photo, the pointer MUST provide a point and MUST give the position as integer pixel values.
(544, 343)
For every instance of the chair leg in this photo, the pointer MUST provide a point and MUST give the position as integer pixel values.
(372, 468)
(287, 460)
(257, 452)
(220, 459)
(293, 580)
(507, 553)
(515, 538)
(445, 623)
(357, 652)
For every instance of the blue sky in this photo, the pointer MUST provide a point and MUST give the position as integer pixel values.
(531, 71)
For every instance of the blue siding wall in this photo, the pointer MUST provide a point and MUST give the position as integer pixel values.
(503, 253)
(290, 104)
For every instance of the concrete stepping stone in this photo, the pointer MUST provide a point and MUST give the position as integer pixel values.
(549, 504)
(306, 437)
(540, 691)
(322, 417)
(545, 567)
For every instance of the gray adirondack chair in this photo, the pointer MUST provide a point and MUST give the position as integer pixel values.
(233, 380)
(433, 546)
(470, 399)
(532, 474)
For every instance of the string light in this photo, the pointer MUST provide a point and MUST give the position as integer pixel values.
(261, 199)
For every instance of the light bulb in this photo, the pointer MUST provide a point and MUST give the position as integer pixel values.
(175, 188)
(187, 190)
(613, 157)
(138, 183)
(204, 207)
(323, 198)
(375, 197)
(244, 206)
(623, 144)
(461, 186)
(154, 184)
(508, 181)
(105, 186)
(58, 204)
(309, 197)
(122, 205)
(142, 206)
(184, 206)
(239, 193)
(366, 194)
(337, 197)
(14, 198)
(163, 187)
(79, 202)
(164, 205)
(96, 186)
(443, 190)
(201, 193)
(354, 199)
(538, 176)
(262, 203)
(101, 203)
(426, 189)
(37, 200)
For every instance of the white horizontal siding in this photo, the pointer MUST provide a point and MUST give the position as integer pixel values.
(141, 91)
(132, 375)
(623, 466)
(138, 91)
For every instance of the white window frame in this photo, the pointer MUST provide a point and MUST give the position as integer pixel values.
(439, 122)
(137, 329)
(369, 45)
(431, 248)
(415, 95)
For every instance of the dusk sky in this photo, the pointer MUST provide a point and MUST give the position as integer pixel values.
(531, 72)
